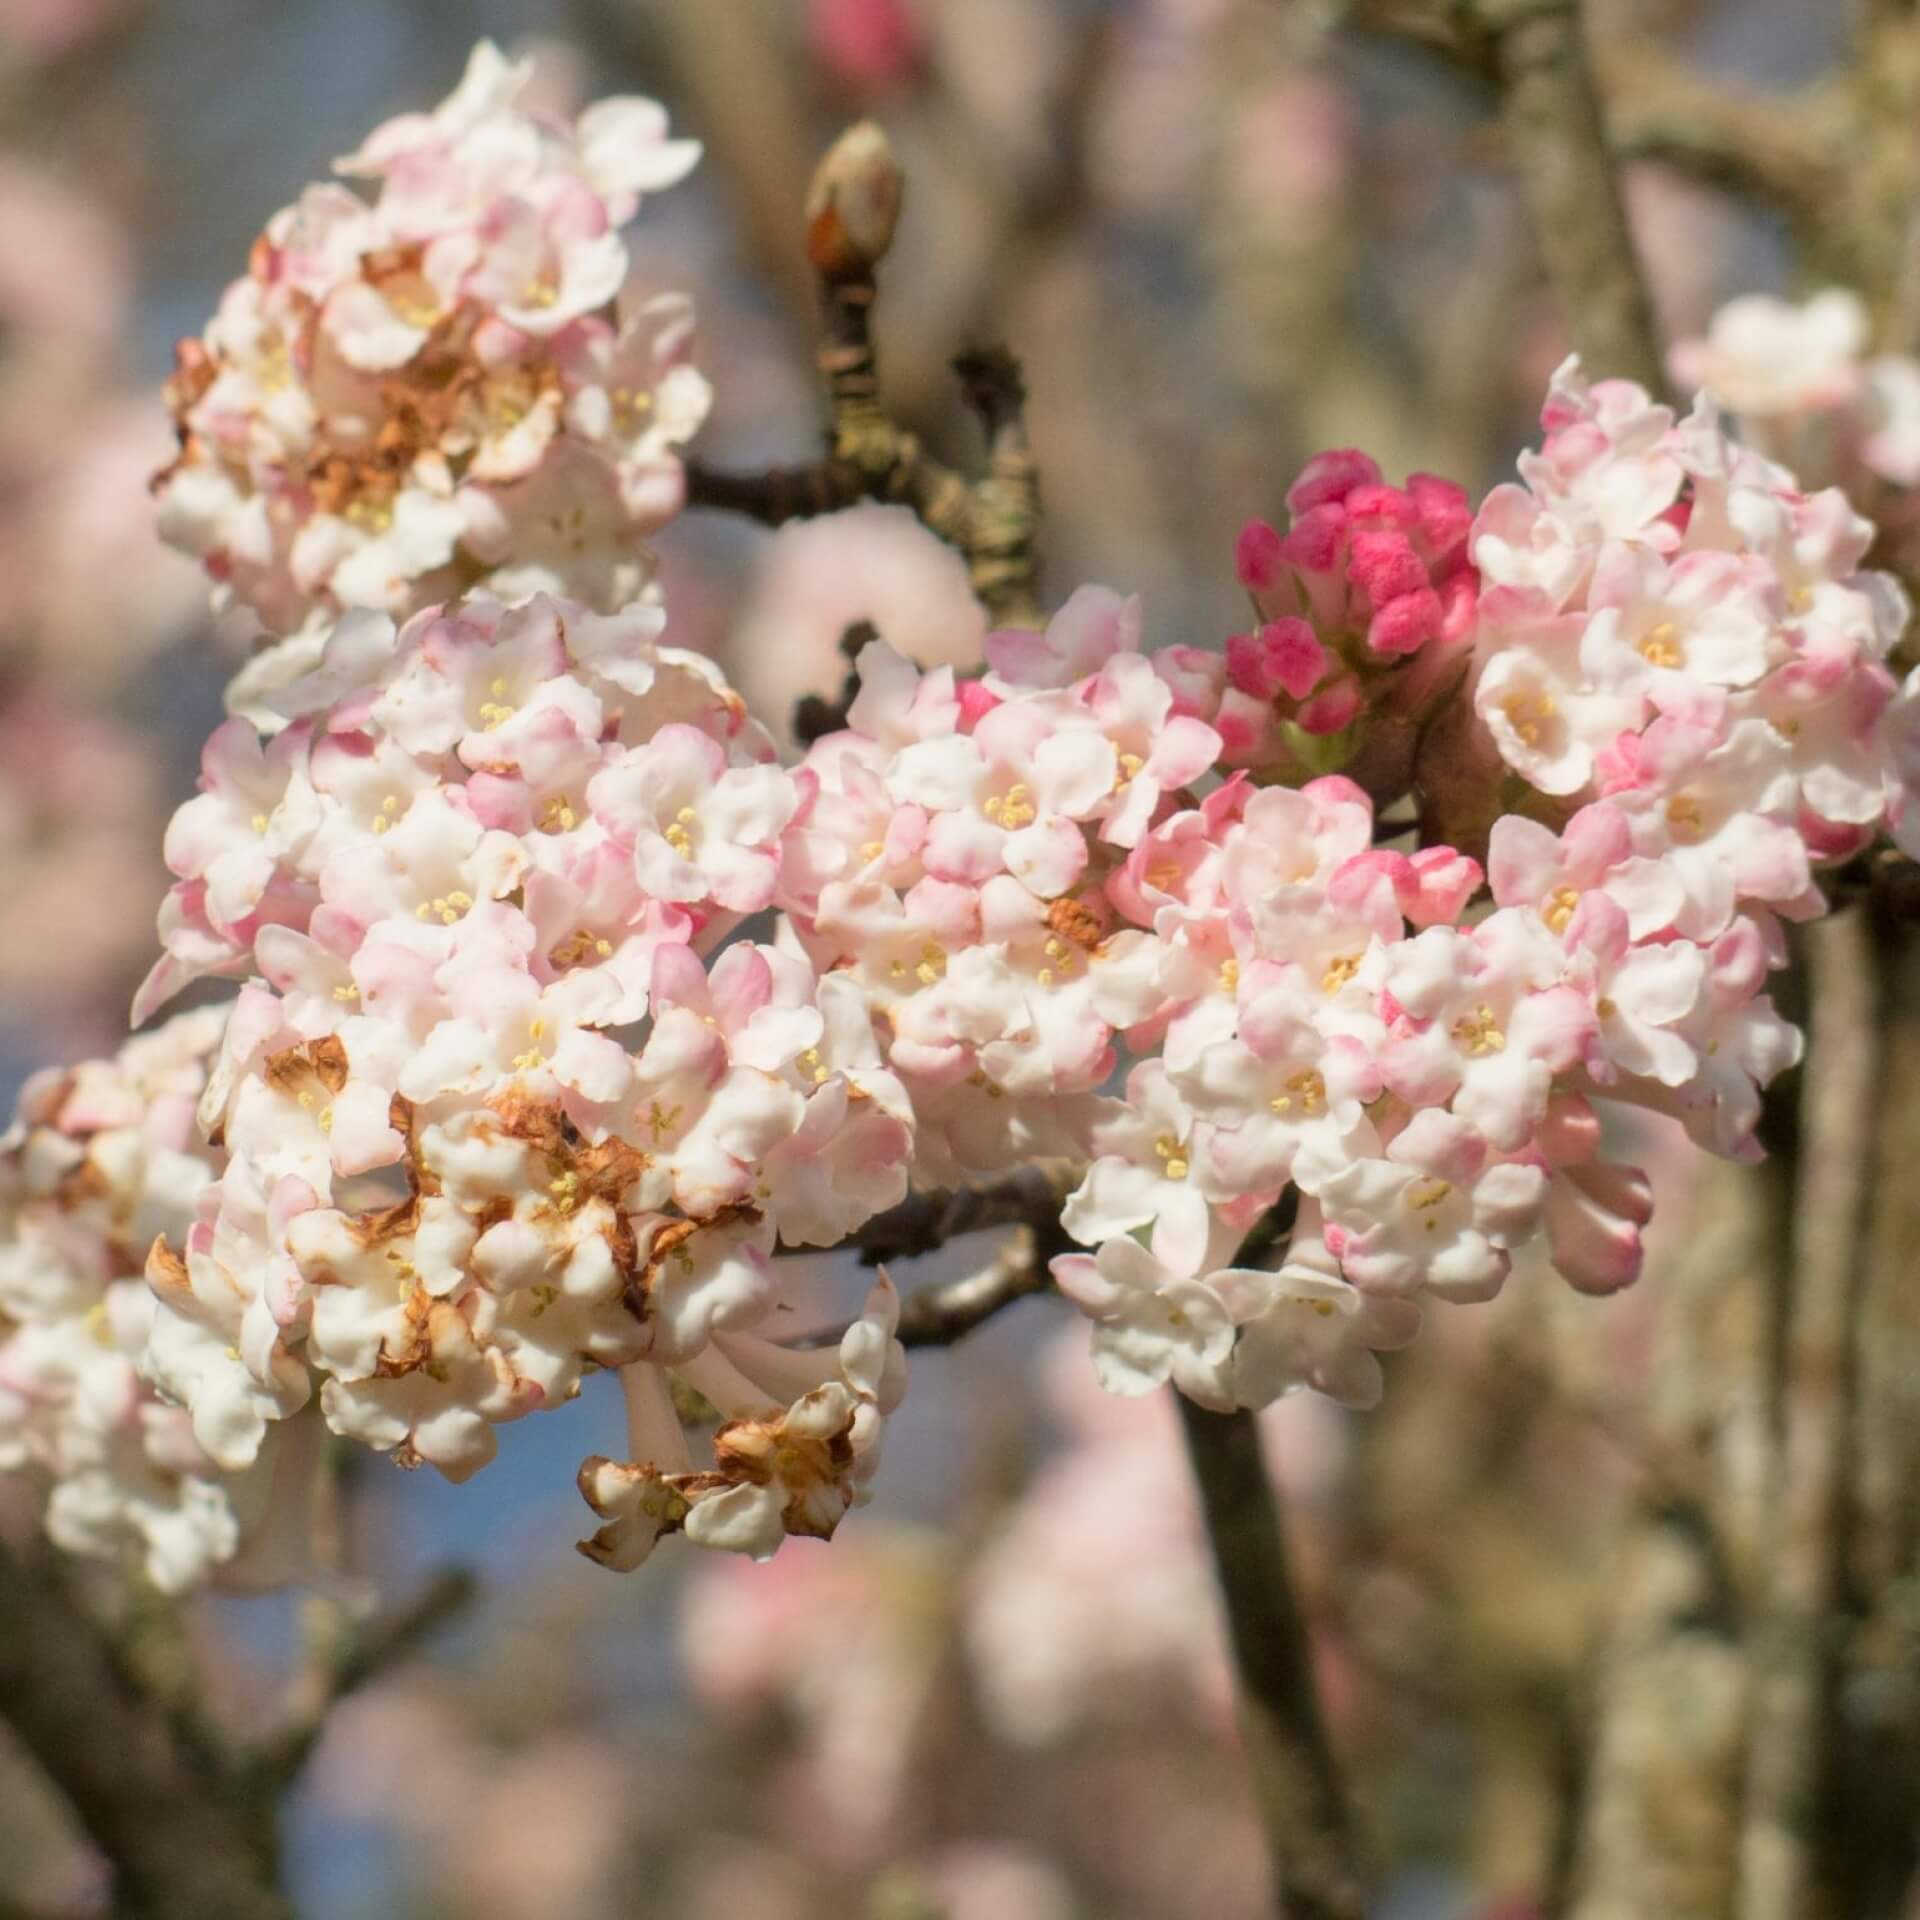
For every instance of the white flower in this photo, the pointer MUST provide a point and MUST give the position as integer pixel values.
(1151, 1324)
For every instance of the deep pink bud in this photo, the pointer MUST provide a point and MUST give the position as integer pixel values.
(1242, 724)
(1384, 566)
(1446, 514)
(976, 699)
(1382, 502)
(1831, 839)
(1459, 601)
(869, 45)
(1249, 668)
(1257, 557)
(1406, 625)
(1285, 656)
(1316, 540)
(1331, 476)
(1329, 711)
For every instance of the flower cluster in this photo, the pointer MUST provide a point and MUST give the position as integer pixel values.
(409, 395)
(99, 1161)
(491, 1120)
(1669, 625)
(1019, 877)
(1042, 873)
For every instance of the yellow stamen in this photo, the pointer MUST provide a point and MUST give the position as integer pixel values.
(1479, 1032)
(1340, 969)
(1528, 714)
(1661, 647)
(1559, 907)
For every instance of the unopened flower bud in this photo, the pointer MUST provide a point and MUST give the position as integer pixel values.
(853, 205)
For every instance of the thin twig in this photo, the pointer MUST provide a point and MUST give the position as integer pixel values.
(1028, 1200)
(924, 1222)
(938, 1316)
(360, 1655)
(184, 1842)
(993, 520)
(1296, 1781)
(1005, 523)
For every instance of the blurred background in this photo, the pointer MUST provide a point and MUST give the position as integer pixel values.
(1221, 239)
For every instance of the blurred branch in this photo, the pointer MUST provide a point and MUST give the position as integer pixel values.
(1837, 159)
(1550, 110)
(357, 1654)
(1535, 54)
(1444, 28)
(1028, 1200)
(1793, 1648)
(183, 1841)
(1661, 1816)
(1876, 1850)
(1779, 151)
(938, 1316)
(1296, 1780)
(851, 212)
(1033, 216)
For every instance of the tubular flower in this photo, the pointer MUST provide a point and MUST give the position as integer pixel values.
(441, 384)
(100, 1160)
(499, 1108)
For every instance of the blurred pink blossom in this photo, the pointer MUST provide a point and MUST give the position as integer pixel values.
(1099, 1579)
(78, 816)
(845, 1642)
(42, 30)
(820, 577)
(513, 1834)
(868, 46)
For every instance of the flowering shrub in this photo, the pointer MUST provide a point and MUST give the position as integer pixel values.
(565, 1005)
(1036, 913)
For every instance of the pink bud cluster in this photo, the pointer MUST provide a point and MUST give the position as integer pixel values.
(1367, 577)
(486, 848)
(408, 395)
(99, 1160)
